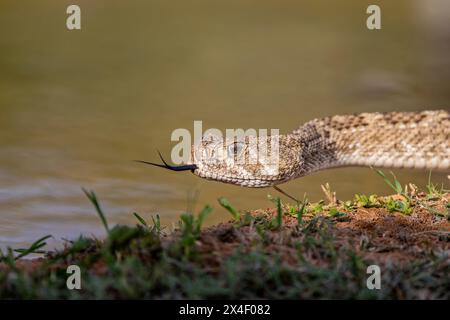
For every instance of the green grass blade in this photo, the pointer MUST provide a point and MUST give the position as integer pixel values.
(386, 179)
(302, 210)
(156, 223)
(395, 184)
(201, 217)
(279, 218)
(227, 205)
(34, 248)
(140, 219)
(93, 198)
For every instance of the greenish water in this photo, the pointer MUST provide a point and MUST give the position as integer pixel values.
(77, 106)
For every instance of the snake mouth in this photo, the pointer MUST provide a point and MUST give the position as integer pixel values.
(238, 181)
(165, 165)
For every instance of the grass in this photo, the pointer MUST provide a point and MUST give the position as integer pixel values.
(398, 205)
(93, 198)
(394, 183)
(434, 191)
(190, 228)
(227, 205)
(367, 201)
(277, 222)
(301, 210)
(307, 250)
(34, 248)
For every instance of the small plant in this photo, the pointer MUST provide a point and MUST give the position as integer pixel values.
(260, 230)
(227, 205)
(246, 220)
(156, 227)
(434, 191)
(391, 205)
(394, 184)
(349, 205)
(317, 207)
(140, 219)
(156, 224)
(277, 222)
(302, 210)
(120, 239)
(8, 257)
(279, 219)
(366, 201)
(403, 206)
(397, 186)
(191, 229)
(34, 248)
(335, 213)
(93, 198)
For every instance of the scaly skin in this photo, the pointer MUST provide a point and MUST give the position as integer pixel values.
(419, 140)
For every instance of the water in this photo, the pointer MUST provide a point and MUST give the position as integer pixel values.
(77, 106)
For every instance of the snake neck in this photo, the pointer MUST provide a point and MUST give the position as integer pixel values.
(419, 140)
(315, 149)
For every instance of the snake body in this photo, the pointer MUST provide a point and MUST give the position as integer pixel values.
(419, 140)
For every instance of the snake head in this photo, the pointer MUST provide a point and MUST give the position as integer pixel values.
(249, 161)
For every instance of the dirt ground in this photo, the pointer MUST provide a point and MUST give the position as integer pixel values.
(322, 251)
(375, 233)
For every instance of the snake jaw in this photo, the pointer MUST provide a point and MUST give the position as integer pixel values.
(250, 183)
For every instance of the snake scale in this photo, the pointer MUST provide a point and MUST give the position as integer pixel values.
(416, 140)
(419, 140)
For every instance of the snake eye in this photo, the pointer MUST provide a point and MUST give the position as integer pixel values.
(235, 148)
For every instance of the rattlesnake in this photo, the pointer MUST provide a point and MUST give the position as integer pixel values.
(419, 140)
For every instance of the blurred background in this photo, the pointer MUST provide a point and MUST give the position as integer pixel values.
(76, 107)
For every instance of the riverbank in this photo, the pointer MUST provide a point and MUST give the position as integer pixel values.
(305, 250)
